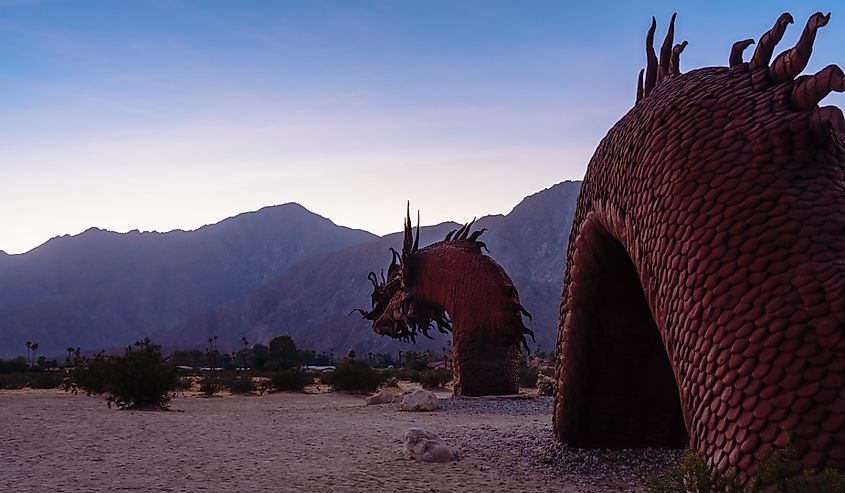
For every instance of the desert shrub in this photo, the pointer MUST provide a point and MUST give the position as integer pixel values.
(92, 375)
(545, 384)
(353, 375)
(262, 385)
(406, 374)
(419, 361)
(283, 354)
(242, 384)
(210, 384)
(184, 383)
(46, 380)
(781, 471)
(14, 381)
(138, 379)
(141, 377)
(827, 481)
(694, 475)
(326, 377)
(777, 472)
(391, 381)
(528, 377)
(435, 379)
(410, 375)
(14, 365)
(290, 380)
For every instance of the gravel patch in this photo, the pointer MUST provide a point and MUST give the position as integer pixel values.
(530, 451)
(512, 406)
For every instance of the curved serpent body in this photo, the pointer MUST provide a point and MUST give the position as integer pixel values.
(704, 294)
(453, 286)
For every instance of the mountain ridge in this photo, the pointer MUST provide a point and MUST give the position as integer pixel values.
(102, 288)
(529, 242)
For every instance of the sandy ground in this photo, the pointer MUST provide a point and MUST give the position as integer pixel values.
(57, 442)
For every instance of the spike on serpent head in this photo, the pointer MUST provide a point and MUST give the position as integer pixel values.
(396, 312)
(805, 92)
(659, 69)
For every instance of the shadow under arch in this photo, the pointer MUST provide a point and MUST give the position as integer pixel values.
(616, 386)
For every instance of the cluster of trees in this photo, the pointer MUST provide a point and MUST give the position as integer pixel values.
(31, 362)
(280, 354)
(279, 364)
(142, 377)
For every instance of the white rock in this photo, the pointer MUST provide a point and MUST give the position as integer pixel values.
(425, 446)
(420, 400)
(383, 397)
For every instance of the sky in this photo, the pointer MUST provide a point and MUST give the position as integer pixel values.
(161, 115)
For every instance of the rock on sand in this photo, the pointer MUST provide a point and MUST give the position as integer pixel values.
(420, 400)
(383, 397)
(425, 446)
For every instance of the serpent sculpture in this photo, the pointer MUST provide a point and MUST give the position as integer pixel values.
(453, 286)
(704, 293)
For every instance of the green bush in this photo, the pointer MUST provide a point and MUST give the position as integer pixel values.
(139, 379)
(14, 381)
(406, 374)
(354, 375)
(33, 379)
(142, 378)
(242, 384)
(781, 471)
(435, 379)
(326, 377)
(283, 354)
(210, 384)
(184, 383)
(694, 475)
(92, 375)
(528, 377)
(46, 380)
(545, 384)
(290, 380)
(15, 365)
(777, 472)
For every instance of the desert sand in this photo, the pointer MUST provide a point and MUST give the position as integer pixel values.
(57, 442)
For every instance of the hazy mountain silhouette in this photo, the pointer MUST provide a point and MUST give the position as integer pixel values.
(101, 288)
(311, 300)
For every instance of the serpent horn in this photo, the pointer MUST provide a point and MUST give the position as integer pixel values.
(768, 41)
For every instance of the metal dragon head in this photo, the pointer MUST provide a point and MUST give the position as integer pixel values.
(396, 312)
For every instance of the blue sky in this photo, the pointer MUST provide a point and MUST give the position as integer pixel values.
(159, 115)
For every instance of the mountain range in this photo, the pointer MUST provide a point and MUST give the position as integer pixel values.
(104, 289)
(280, 270)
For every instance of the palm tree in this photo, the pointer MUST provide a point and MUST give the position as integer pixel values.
(34, 351)
(212, 352)
(29, 352)
(245, 351)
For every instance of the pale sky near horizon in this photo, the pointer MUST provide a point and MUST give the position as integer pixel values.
(160, 115)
